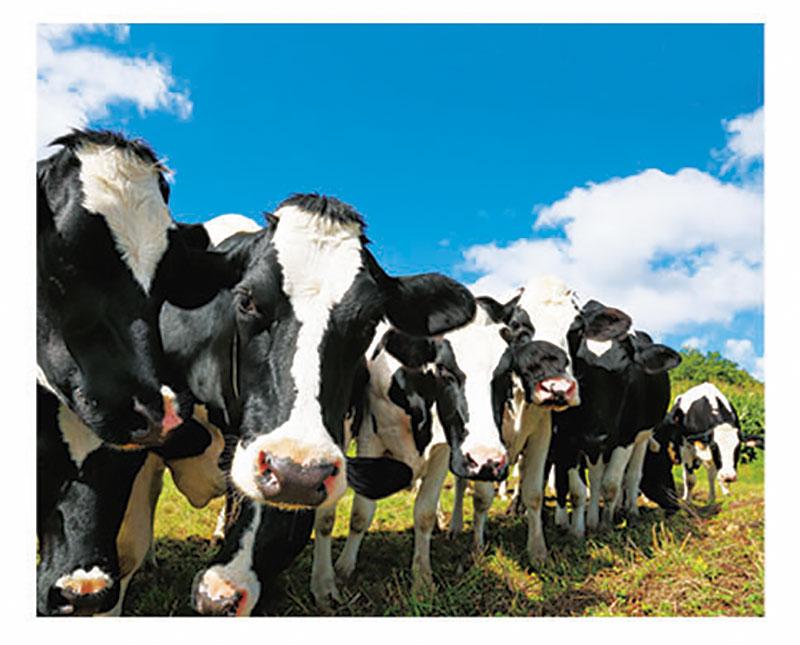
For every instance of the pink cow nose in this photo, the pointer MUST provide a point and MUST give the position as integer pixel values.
(728, 478)
(486, 464)
(283, 481)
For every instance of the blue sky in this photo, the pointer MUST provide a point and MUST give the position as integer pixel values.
(626, 158)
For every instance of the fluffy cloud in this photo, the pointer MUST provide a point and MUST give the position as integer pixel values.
(745, 144)
(741, 351)
(671, 249)
(78, 83)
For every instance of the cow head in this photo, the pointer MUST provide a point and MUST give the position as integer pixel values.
(304, 311)
(108, 256)
(601, 342)
(549, 306)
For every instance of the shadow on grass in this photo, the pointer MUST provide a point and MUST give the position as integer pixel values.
(497, 582)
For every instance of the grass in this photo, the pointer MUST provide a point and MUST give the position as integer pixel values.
(709, 564)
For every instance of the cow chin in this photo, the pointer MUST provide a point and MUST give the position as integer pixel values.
(288, 474)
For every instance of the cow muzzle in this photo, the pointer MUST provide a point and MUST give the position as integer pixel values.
(556, 393)
(485, 464)
(158, 425)
(284, 482)
(82, 593)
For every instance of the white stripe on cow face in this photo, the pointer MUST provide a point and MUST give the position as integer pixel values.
(123, 188)
(549, 304)
(478, 348)
(319, 258)
(598, 347)
(726, 437)
(80, 441)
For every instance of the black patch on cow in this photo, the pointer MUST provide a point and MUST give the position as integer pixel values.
(413, 392)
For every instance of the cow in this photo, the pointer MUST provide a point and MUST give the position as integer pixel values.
(702, 427)
(625, 391)
(549, 305)
(95, 503)
(466, 374)
(108, 256)
(276, 357)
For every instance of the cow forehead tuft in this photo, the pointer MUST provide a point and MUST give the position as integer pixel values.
(325, 207)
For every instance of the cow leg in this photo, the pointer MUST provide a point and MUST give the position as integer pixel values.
(562, 486)
(360, 519)
(425, 515)
(612, 483)
(532, 487)
(711, 471)
(689, 480)
(483, 494)
(457, 520)
(323, 582)
(633, 474)
(595, 486)
(577, 495)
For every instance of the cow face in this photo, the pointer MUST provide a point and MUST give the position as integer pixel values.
(470, 374)
(306, 308)
(108, 256)
(549, 305)
(601, 343)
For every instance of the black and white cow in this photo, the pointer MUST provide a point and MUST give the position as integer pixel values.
(624, 393)
(95, 504)
(108, 256)
(702, 427)
(467, 374)
(548, 305)
(278, 354)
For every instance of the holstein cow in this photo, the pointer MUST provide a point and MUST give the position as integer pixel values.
(624, 393)
(466, 374)
(277, 356)
(702, 427)
(108, 256)
(95, 503)
(527, 424)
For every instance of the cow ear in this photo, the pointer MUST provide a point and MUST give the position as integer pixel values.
(604, 323)
(497, 312)
(655, 359)
(375, 478)
(190, 275)
(428, 304)
(411, 351)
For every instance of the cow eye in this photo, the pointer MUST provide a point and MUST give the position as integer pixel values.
(245, 302)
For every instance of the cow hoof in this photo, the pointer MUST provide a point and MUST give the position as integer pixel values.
(216, 596)
(82, 593)
(537, 556)
(325, 593)
(423, 582)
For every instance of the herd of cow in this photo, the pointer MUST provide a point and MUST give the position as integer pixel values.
(245, 360)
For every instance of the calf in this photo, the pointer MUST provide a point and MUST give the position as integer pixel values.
(277, 355)
(466, 374)
(95, 504)
(527, 417)
(624, 391)
(702, 427)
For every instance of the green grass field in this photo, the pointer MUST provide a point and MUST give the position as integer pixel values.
(709, 564)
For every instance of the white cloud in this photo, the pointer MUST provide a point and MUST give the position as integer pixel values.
(78, 83)
(695, 343)
(741, 351)
(671, 249)
(745, 142)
